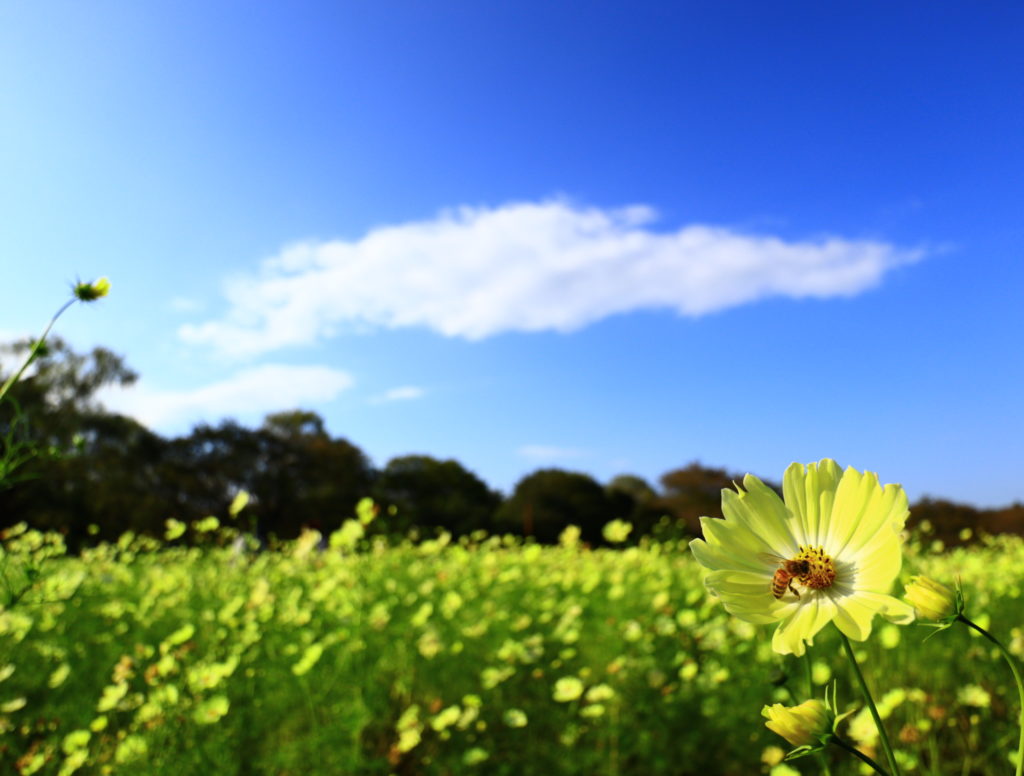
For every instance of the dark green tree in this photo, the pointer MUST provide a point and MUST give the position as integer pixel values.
(60, 387)
(694, 491)
(201, 472)
(431, 493)
(309, 479)
(92, 467)
(296, 473)
(546, 501)
(633, 499)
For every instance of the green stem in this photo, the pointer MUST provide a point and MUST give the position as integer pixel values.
(882, 737)
(857, 753)
(35, 349)
(809, 675)
(1017, 677)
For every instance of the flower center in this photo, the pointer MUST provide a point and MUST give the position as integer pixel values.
(821, 571)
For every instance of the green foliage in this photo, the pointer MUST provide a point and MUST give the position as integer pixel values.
(421, 491)
(16, 446)
(633, 499)
(88, 466)
(447, 657)
(546, 501)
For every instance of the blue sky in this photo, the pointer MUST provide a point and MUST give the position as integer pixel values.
(607, 237)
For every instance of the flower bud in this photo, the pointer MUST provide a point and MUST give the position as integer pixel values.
(90, 292)
(800, 725)
(931, 600)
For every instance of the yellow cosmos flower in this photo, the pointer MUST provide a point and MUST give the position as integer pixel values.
(830, 552)
(800, 725)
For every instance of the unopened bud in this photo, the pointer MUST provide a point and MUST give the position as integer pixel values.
(931, 600)
(90, 292)
(800, 725)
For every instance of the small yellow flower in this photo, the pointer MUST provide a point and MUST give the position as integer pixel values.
(567, 689)
(90, 292)
(800, 725)
(931, 600)
(238, 503)
(617, 531)
(773, 755)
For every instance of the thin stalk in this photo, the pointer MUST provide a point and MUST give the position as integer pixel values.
(857, 753)
(809, 675)
(882, 737)
(35, 349)
(1017, 677)
(793, 699)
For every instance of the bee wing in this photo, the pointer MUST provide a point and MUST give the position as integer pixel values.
(769, 557)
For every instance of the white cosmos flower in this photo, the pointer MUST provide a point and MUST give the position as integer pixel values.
(840, 528)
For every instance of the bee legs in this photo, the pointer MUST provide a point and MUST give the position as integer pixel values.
(793, 589)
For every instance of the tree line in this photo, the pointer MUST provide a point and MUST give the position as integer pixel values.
(93, 475)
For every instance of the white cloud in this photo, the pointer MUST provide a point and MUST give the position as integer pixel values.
(550, 452)
(547, 266)
(403, 393)
(251, 393)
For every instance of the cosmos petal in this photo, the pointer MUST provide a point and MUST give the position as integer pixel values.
(740, 583)
(712, 554)
(891, 608)
(798, 630)
(878, 565)
(735, 535)
(745, 594)
(809, 492)
(759, 509)
(751, 614)
(853, 617)
(739, 545)
(864, 509)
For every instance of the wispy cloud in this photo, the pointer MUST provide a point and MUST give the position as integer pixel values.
(550, 452)
(248, 394)
(403, 393)
(546, 266)
(182, 304)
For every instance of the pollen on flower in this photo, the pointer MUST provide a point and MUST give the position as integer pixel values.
(821, 571)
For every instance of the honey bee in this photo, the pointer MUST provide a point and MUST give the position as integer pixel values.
(784, 575)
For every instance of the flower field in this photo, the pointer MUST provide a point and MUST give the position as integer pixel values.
(443, 657)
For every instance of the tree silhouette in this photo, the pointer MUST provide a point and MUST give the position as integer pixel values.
(694, 491)
(94, 468)
(99, 474)
(545, 502)
(633, 499)
(296, 473)
(431, 493)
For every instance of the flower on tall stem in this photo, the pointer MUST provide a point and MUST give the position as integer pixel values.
(830, 551)
(80, 292)
(944, 607)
